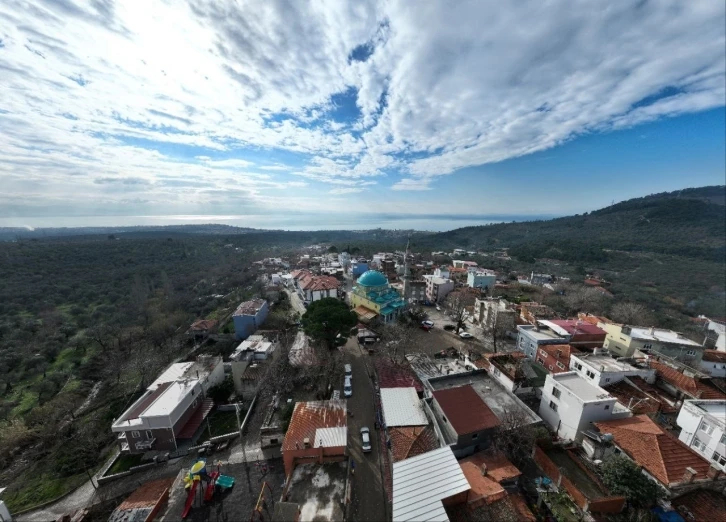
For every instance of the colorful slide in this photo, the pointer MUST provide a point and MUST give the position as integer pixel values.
(190, 499)
(209, 493)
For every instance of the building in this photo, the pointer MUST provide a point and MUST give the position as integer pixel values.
(686, 384)
(703, 429)
(602, 370)
(639, 397)
(541, 279)
(556, 357)
(466, 421)
(425, 484)
(318, 489)
(531, 337)
(402, 407)
(715, 334)
(469, 265)
(663, 457)
(530, 311)
(145, 503)
(700, 504)
(515, 372)
(247, 363)
(495, 312)
(312, 288)
(624, 340)
(372, 294)
(714, 363)
(318, 432)
(581, 334)
(358, 267)
(437, 288)
(570, 404)
(484, 279)
(416, 291)
(172, 408)
(248, 317)
(202, 328)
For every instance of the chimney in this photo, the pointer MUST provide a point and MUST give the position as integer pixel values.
(306, 443)
(484, 470)
(688, 476)
(713, 472)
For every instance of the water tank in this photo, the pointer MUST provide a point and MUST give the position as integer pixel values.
(606, 437)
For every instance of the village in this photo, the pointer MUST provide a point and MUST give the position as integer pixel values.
(393, 388)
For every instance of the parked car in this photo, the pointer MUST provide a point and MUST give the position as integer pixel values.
(427, 325)
(466, 335)
(365, 436)
(348, 386)
(438, 308)
(348, 370)
(449, 327)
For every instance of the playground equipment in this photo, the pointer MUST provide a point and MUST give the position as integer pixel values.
(261, 503)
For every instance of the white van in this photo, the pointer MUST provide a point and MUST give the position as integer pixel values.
(348, 370)
(348, 387)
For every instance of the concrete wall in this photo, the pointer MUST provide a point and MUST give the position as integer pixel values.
(714, 369)
(319, 455)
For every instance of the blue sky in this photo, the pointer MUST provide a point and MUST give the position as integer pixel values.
(489, 108)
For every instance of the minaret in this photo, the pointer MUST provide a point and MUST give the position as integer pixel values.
(406, 275)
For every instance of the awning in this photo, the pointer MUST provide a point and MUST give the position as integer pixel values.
(363, 313)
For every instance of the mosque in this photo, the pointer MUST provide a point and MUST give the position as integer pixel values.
(372, 297)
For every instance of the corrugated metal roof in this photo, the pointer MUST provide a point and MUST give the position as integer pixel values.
(421, 483)
(331, 437)
(402, 407)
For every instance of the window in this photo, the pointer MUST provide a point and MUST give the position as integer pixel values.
(556, 392)
(550, 367)
(149, 435)
(706, 428)
(135, 434)
(560, 365)
(607, 406)
(698, 444)
(590, 374)
(691, 352)
(475, 436)
(444, 418)
(553, 406)
(717, 457)
(723, 438)
(578, 366)
(543, 353)
(497, 372)
(647, 346)
(273, 441)
(607, 379)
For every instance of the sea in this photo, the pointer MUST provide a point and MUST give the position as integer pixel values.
(433, 223)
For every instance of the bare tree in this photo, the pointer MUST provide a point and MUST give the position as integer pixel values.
(499, 322)
(459, 303)
(583, 299)
(630, 313)
(515, 436)
(397, 341)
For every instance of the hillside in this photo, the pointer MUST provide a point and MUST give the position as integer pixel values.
(665, 249)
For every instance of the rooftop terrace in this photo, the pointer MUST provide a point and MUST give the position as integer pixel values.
(581, 387)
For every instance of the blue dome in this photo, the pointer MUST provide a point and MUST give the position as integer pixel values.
(372, 278)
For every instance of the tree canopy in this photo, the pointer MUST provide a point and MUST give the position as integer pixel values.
(623, 477)
(326, 318)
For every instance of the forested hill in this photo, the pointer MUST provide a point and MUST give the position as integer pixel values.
(690, 223)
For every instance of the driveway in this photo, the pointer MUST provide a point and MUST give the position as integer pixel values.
(295, 301)
(368, 496)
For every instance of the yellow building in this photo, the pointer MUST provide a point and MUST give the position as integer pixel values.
(623, 340)
(373, 296)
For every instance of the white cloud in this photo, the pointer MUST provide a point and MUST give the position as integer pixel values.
(154, 92)
(350, 190)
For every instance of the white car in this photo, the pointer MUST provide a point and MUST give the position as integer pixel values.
(365, 437)
(426, 325)
(348, 387)
(466, 335)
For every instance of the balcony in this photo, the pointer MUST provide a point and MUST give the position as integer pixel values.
(122, 436)
(145, 444)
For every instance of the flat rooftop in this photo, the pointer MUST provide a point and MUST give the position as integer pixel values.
(494, 395)
(606, 363)
(542, 334)
(402, 407)
(169, 400)
(664, 336)
(715, 408)
(319, 490)
(581, 387)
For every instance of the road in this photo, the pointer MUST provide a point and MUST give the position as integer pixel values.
(295, 301)
(368, 496)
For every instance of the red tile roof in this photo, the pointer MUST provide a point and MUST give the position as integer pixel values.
(705, 505)
(204, 324)
(309, 416)
(664, 398)
(392, 375)
(697, 388)
(409, 441)
(487, 487)
(465, 410)
(714, 356)
(573, 326)
(313, 283)
(637, 399)
(660, 453)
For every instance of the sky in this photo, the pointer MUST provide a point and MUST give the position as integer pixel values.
(283, 108)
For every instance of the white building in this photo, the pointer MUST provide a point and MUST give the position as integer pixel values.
(602, 370)
(713, 363)
(402, 407)
(715, 335)
(481, 279)
(570, 404)
(437, 288)
(703, 428)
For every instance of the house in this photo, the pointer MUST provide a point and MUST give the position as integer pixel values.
(703, 429)
(582, 335)
(318, 432)
(602, 369)
(437, 288)
(624, 340)
(465, 419)
(458, 263)
(312, 288)
(531, 337)
(556, 357)
(202, 328)
(564, 467)
(541, 279)
(488, 473)
(416, 291)
(715, 334)
(392, 375)
(423, 485)
(570, 404)
(145, 503)
(515, 372)
(272, 293)
(685, 384)
(358, 267)
(458, 275)
(246, 363)
(248, 317)
(402, 407)
(714, 363)
(484, 279)
(172, 408)
(639, 396)
(530, 311)
(495, 312)
(663, 458)
(700, 504)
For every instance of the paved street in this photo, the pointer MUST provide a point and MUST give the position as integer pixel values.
(368, 496)
(295, 301)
